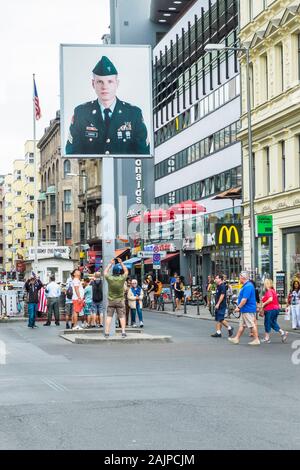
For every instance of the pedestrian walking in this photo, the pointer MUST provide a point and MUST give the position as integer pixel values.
(42, 305)
(78, 298)
(116, 294)
(53, 292)
(270, 307)
(150, 291)
(97, 305)
(294, 303)
(127, 286)
(220, 308)
(32, 287)
(135, 300)
(179, 291)
(158, 287)
(258, 306)
(247, 307)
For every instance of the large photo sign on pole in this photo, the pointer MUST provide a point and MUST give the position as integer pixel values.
(106, 101)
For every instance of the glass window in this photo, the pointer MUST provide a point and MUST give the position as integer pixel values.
(211, 102)
(68, 230)
(217, 98)
(67, 167)
(222, 137)
(217, 141)
(67, 200)
(221, 95)
(206, 106)
(226, 92)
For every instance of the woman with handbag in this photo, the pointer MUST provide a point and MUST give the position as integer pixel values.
(270, 306)
(294, 304)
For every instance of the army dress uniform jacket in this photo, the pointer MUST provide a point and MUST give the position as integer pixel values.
(126, 134)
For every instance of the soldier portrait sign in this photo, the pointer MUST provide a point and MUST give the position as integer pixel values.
(106, 101)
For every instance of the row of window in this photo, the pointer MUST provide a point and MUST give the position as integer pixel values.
(210, 103)
(53, 232)
(203, 189)
(197, 79)
(221, 139)
(213, 26)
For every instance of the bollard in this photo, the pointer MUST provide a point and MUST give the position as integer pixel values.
(184, 306)
(173, 304)
(198, 306)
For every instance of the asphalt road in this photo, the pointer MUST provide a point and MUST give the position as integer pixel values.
(195, 393)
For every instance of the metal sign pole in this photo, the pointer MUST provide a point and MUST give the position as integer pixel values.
(108, 226)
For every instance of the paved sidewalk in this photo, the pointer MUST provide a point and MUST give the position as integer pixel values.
(205, 315)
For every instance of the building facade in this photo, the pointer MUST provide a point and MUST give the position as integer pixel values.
(1, 223)
(272, 29)
(196, 121)
(60, 218)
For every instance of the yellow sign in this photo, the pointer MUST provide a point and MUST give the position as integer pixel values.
(228, 234)
(199, 242)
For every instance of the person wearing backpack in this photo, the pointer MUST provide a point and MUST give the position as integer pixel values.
(97, 305)
(69, 301)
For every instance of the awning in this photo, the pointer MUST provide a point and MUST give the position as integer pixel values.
(122, 252)
(232, 193)
(167, 258)
(130, 262)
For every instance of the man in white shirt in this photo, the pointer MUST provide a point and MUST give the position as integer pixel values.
(53, 292)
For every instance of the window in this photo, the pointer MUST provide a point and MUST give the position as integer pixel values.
(67, 200)
(279, 54)
(52, 204)
(68, 230)
(283, 165)
(53, 233)
(67, 167)
(265, 77)
(31, 179)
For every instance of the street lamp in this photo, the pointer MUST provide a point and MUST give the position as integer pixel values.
(85, 204)
(246, 50)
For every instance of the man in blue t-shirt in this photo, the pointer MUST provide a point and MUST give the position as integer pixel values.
(220, 308)
(247, 307)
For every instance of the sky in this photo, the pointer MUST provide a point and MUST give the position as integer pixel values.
(30, 34)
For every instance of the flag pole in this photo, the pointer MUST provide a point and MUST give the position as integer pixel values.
(35, 242)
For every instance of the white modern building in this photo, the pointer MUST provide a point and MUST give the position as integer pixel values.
(197, 112)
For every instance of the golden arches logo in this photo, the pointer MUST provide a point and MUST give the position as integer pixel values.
(229, 231)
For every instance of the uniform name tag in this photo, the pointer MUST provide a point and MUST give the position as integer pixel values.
(91, 134)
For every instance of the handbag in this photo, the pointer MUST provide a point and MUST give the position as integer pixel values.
(287, 315)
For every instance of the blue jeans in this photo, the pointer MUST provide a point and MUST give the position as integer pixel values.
(139, 312)
(32, 309)
(271, 320)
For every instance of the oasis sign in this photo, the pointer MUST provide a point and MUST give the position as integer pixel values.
(228, 234)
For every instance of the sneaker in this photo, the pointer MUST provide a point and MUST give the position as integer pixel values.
(216, 335)
(284, 337)
(77, 327)
(47, 323)
(255, 342)
(67, 326)
(264, 340)
(141, 324)
(230, 332)
(124, 335)
(134, 325)
(100, 326)
(106, 335)
(234, 340)
(57, 323)
(35, 326)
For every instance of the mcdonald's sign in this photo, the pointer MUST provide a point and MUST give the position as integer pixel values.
(228, 234)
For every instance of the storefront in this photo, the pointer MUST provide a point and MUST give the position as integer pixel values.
(291, 253)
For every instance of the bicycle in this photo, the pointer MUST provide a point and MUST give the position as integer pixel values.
(212, 304)
(231, 306)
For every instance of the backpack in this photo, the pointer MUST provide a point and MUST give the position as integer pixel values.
(69, 293)
(97, 291)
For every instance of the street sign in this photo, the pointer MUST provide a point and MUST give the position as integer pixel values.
(149, 254)
(156, 260)
(156, 249)
(264, 225)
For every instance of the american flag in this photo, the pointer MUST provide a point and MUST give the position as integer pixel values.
(36, 100)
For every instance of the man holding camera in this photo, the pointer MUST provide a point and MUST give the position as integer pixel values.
(116, 294)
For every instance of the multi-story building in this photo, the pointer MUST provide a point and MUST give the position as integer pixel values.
(1, 223)
(272, 29)
(196, 121)
(7, 222)
(59, 216)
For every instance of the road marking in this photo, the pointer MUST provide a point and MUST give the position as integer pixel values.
(54, 385)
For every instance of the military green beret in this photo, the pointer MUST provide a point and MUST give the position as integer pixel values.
(105, 67)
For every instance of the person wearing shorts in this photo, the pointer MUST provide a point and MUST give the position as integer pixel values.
(116, 294)
(247, 307)
(220, 308)
(68, 304)
(78, 298)
(88, 302)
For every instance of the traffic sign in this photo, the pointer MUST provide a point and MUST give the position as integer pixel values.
(156, 260)
(156, 249)
(150, 254)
